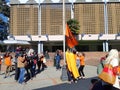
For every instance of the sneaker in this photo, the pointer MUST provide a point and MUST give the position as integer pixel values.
(71, 81)
(24, 83)
(5, 77)
(83, 77)
(79, 78)
(75, 81)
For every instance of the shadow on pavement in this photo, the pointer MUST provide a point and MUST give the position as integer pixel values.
(83, 84)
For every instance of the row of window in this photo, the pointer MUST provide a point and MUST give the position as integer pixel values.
(24, 18)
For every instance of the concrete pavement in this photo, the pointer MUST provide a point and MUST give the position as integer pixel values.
(49, 79)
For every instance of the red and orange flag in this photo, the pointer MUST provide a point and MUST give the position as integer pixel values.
(70, 39)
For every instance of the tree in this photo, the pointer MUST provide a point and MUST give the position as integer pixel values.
(5, 13)
(4, 9)
(74, 26)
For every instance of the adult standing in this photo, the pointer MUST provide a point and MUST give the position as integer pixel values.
(58, 58)
(8, 64)
(21, 64)
(68, 66)
(71, 64)
(17, 70)
(47, 55)
(101, 64)
(35, 60)
(113, 59)
(41, 63)
(82, 65)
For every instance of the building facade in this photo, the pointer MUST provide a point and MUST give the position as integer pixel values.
(41, 23)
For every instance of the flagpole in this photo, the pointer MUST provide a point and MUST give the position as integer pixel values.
(64, 30)
(64, 76)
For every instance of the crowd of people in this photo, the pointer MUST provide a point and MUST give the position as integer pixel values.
(28, 63)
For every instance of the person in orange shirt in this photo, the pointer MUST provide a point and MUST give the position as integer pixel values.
(8, 64)
(82, 65)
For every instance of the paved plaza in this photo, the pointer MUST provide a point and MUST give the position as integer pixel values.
(49, 79)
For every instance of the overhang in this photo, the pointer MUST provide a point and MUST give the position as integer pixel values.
(61, 37)
(57, 1)
(21, 42)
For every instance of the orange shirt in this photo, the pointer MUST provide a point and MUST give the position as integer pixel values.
(8, 61)
(82, 60)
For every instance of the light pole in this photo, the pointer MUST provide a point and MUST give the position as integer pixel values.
(105, 17)
(40, 44)
(72, 10)
(106, 25)
(39, 18)
(64, 29)
(64, 76)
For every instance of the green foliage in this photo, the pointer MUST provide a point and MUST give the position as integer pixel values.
(2, 48)
(5, 10)
(74, 26)
(3, 35)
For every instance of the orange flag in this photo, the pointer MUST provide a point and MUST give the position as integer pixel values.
(70, 39)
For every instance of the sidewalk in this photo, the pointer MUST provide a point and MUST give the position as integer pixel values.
(49, 79)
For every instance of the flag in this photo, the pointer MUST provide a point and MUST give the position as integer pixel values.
(70, 39)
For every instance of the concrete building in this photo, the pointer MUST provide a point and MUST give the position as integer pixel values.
(40, 22)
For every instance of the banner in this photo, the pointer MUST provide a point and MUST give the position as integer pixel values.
(70, 39)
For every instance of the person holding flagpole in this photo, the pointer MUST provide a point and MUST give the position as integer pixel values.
(73, 74)
(70, 56)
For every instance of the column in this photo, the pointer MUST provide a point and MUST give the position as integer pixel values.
(103, 46)
(107, 46)
(40, 47)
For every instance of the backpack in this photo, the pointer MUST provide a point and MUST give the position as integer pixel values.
(100, 67)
